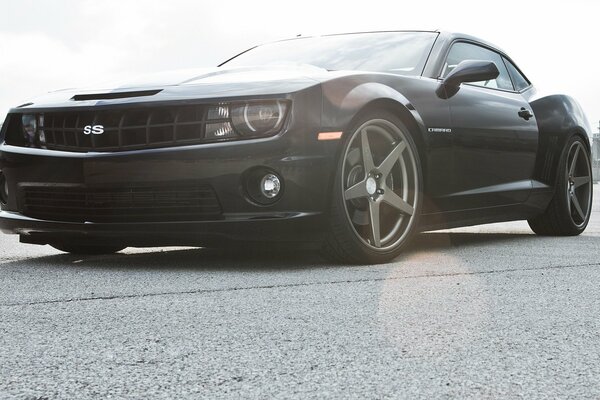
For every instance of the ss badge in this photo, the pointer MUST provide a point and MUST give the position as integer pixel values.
(93, 129)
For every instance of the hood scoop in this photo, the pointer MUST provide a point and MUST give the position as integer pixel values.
(115, 95)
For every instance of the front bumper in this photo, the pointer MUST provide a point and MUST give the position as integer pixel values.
(304, 164)
(287, 227)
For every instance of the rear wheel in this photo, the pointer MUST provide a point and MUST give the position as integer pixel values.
(84, 249)
(376, 199)
(569, 211)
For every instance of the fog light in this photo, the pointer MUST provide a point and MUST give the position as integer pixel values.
(270, 186)
(3, 189)
(263, 186)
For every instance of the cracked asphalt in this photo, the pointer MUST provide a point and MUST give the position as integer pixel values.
(481, 312)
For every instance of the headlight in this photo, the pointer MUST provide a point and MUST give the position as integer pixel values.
(258, 118)
(250, 119)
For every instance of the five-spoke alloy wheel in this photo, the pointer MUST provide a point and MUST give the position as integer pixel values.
(377, 197)
(579, 184)
(569, 212)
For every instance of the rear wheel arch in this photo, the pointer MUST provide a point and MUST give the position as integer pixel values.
(581, 133)
(559, 118)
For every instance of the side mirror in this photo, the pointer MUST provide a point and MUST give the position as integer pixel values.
(467, 71)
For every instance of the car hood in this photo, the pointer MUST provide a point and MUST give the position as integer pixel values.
(191, 84)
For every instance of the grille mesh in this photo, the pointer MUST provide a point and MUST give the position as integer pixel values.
(183, 202)
(127, 129)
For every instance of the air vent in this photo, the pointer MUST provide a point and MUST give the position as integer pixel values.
(174, 201)
(115, 95)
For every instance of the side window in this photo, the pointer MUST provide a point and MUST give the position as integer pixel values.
(466, 51)
(517, 77)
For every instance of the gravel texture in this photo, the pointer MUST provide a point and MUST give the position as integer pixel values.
(483, 312)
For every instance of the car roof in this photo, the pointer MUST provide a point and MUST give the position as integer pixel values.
(444, 35)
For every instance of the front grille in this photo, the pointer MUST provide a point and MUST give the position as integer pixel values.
(125, 129)
(77, 203)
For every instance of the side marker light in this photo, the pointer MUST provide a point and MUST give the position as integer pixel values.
(329, 136)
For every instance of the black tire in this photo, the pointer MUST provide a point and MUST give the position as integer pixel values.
(85, 249)
(569, 211)
(387, 188)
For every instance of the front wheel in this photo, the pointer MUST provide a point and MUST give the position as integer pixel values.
(569, 211)
(376, 199)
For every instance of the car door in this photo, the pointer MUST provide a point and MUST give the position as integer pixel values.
(494, 136)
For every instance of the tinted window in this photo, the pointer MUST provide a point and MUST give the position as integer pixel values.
(466, 51)
(401, 53)
(518, 79)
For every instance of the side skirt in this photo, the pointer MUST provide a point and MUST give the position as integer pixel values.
(537, 202)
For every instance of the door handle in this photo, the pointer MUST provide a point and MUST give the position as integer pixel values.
(525, 114)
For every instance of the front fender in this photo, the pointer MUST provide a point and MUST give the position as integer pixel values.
(344, 99)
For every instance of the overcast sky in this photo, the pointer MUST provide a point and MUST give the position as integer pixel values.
(48, 45)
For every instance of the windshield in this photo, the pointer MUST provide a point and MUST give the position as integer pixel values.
(402, 53)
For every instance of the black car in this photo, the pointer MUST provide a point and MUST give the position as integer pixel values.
(349, 143)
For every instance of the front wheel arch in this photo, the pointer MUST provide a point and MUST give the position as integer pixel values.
(404, 114)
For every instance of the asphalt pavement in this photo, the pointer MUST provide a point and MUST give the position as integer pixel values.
(481, 312)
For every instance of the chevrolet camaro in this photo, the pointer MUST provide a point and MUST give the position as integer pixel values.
(346, 143)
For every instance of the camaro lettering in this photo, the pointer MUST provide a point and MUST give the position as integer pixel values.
(93, 129)
(440, 130)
